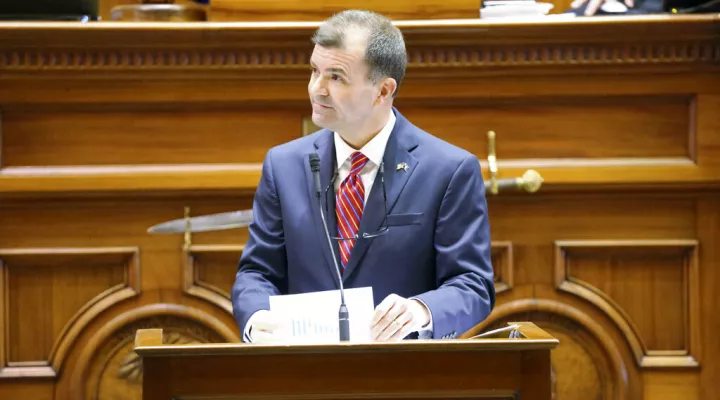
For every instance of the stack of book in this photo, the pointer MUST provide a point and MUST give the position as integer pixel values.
(514, 9)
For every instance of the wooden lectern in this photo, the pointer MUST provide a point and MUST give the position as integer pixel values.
(493, 367)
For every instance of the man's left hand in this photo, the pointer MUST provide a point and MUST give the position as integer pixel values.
(396, 317)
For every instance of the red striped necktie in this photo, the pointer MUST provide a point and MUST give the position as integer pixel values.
(349, 204)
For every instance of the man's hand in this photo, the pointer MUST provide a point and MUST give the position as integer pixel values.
(267, 327)
(607, 5)
(396, 317)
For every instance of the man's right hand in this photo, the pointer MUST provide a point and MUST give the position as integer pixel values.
(268, 327)
(611, 6)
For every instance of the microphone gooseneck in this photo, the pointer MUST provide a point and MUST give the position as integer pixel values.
(343, 315)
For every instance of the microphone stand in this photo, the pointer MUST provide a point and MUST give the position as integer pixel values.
(343, 315)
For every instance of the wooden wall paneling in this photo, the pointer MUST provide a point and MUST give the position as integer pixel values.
(4, 304)
(52, 294)
(274, 71)
(708, 233)
(202, 90)
(2, 147)
(671, 385)
(21, 389)
(589, 363)
(210, 272)
(241, 169)
(598, 220)
(649, 288)
(109, 368)
(103, 221)
(503, 265)
(537, 221)
(626, 127)
(707, 124)
(209, 269)
(133, 135)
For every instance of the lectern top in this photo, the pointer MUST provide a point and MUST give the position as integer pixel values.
(149, 343)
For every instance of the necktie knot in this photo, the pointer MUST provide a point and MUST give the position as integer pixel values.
(358, 161)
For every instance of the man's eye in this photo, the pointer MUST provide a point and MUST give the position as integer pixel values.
(336, 77)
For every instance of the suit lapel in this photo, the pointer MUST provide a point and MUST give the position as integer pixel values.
(325, 148)
(398, 151)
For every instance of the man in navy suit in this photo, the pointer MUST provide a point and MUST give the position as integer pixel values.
(407, 210)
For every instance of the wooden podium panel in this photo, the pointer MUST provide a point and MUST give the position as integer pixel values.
(488, 368)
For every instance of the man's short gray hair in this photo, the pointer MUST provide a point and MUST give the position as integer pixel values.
(385, 54)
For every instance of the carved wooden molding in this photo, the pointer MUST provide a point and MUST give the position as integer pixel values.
(472, 44)
(621, 390)
(141, 317)
(65, 340)
(645, 358)
(195, 287)
(291, 60)
(503, 252)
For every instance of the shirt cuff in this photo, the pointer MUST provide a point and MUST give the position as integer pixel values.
(426, 331)
(248, 329)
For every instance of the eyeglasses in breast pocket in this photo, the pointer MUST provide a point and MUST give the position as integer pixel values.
(404, 219)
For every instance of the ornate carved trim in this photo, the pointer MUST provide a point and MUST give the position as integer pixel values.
(449, 394)
(478, 56)
(195, 287)
(161, 59)
(503, 251)
(644, 357)
(621, 389)
(79, 376)
(78, 322)
(566, 54)
(272, 50)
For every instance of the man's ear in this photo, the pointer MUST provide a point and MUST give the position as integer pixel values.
(388, 86)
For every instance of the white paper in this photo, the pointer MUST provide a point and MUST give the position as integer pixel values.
(313, 317)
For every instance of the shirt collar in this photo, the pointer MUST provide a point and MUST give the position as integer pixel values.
(374, 150)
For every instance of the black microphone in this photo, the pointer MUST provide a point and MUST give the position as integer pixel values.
(343, 315)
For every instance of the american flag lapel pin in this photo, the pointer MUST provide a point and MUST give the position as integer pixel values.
(402, 166)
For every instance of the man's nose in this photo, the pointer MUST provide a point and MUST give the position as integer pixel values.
(319, 87)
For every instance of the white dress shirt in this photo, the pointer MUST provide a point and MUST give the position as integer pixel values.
(374, 150)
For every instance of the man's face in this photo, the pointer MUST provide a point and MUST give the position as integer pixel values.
(341, 95)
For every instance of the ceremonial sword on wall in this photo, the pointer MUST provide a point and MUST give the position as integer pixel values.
(529, 182)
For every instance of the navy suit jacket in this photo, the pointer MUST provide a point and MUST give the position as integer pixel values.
(437, 248)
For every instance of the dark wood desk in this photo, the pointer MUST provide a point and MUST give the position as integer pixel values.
(495, 368)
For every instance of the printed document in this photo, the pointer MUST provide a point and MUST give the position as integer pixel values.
(313, 317)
